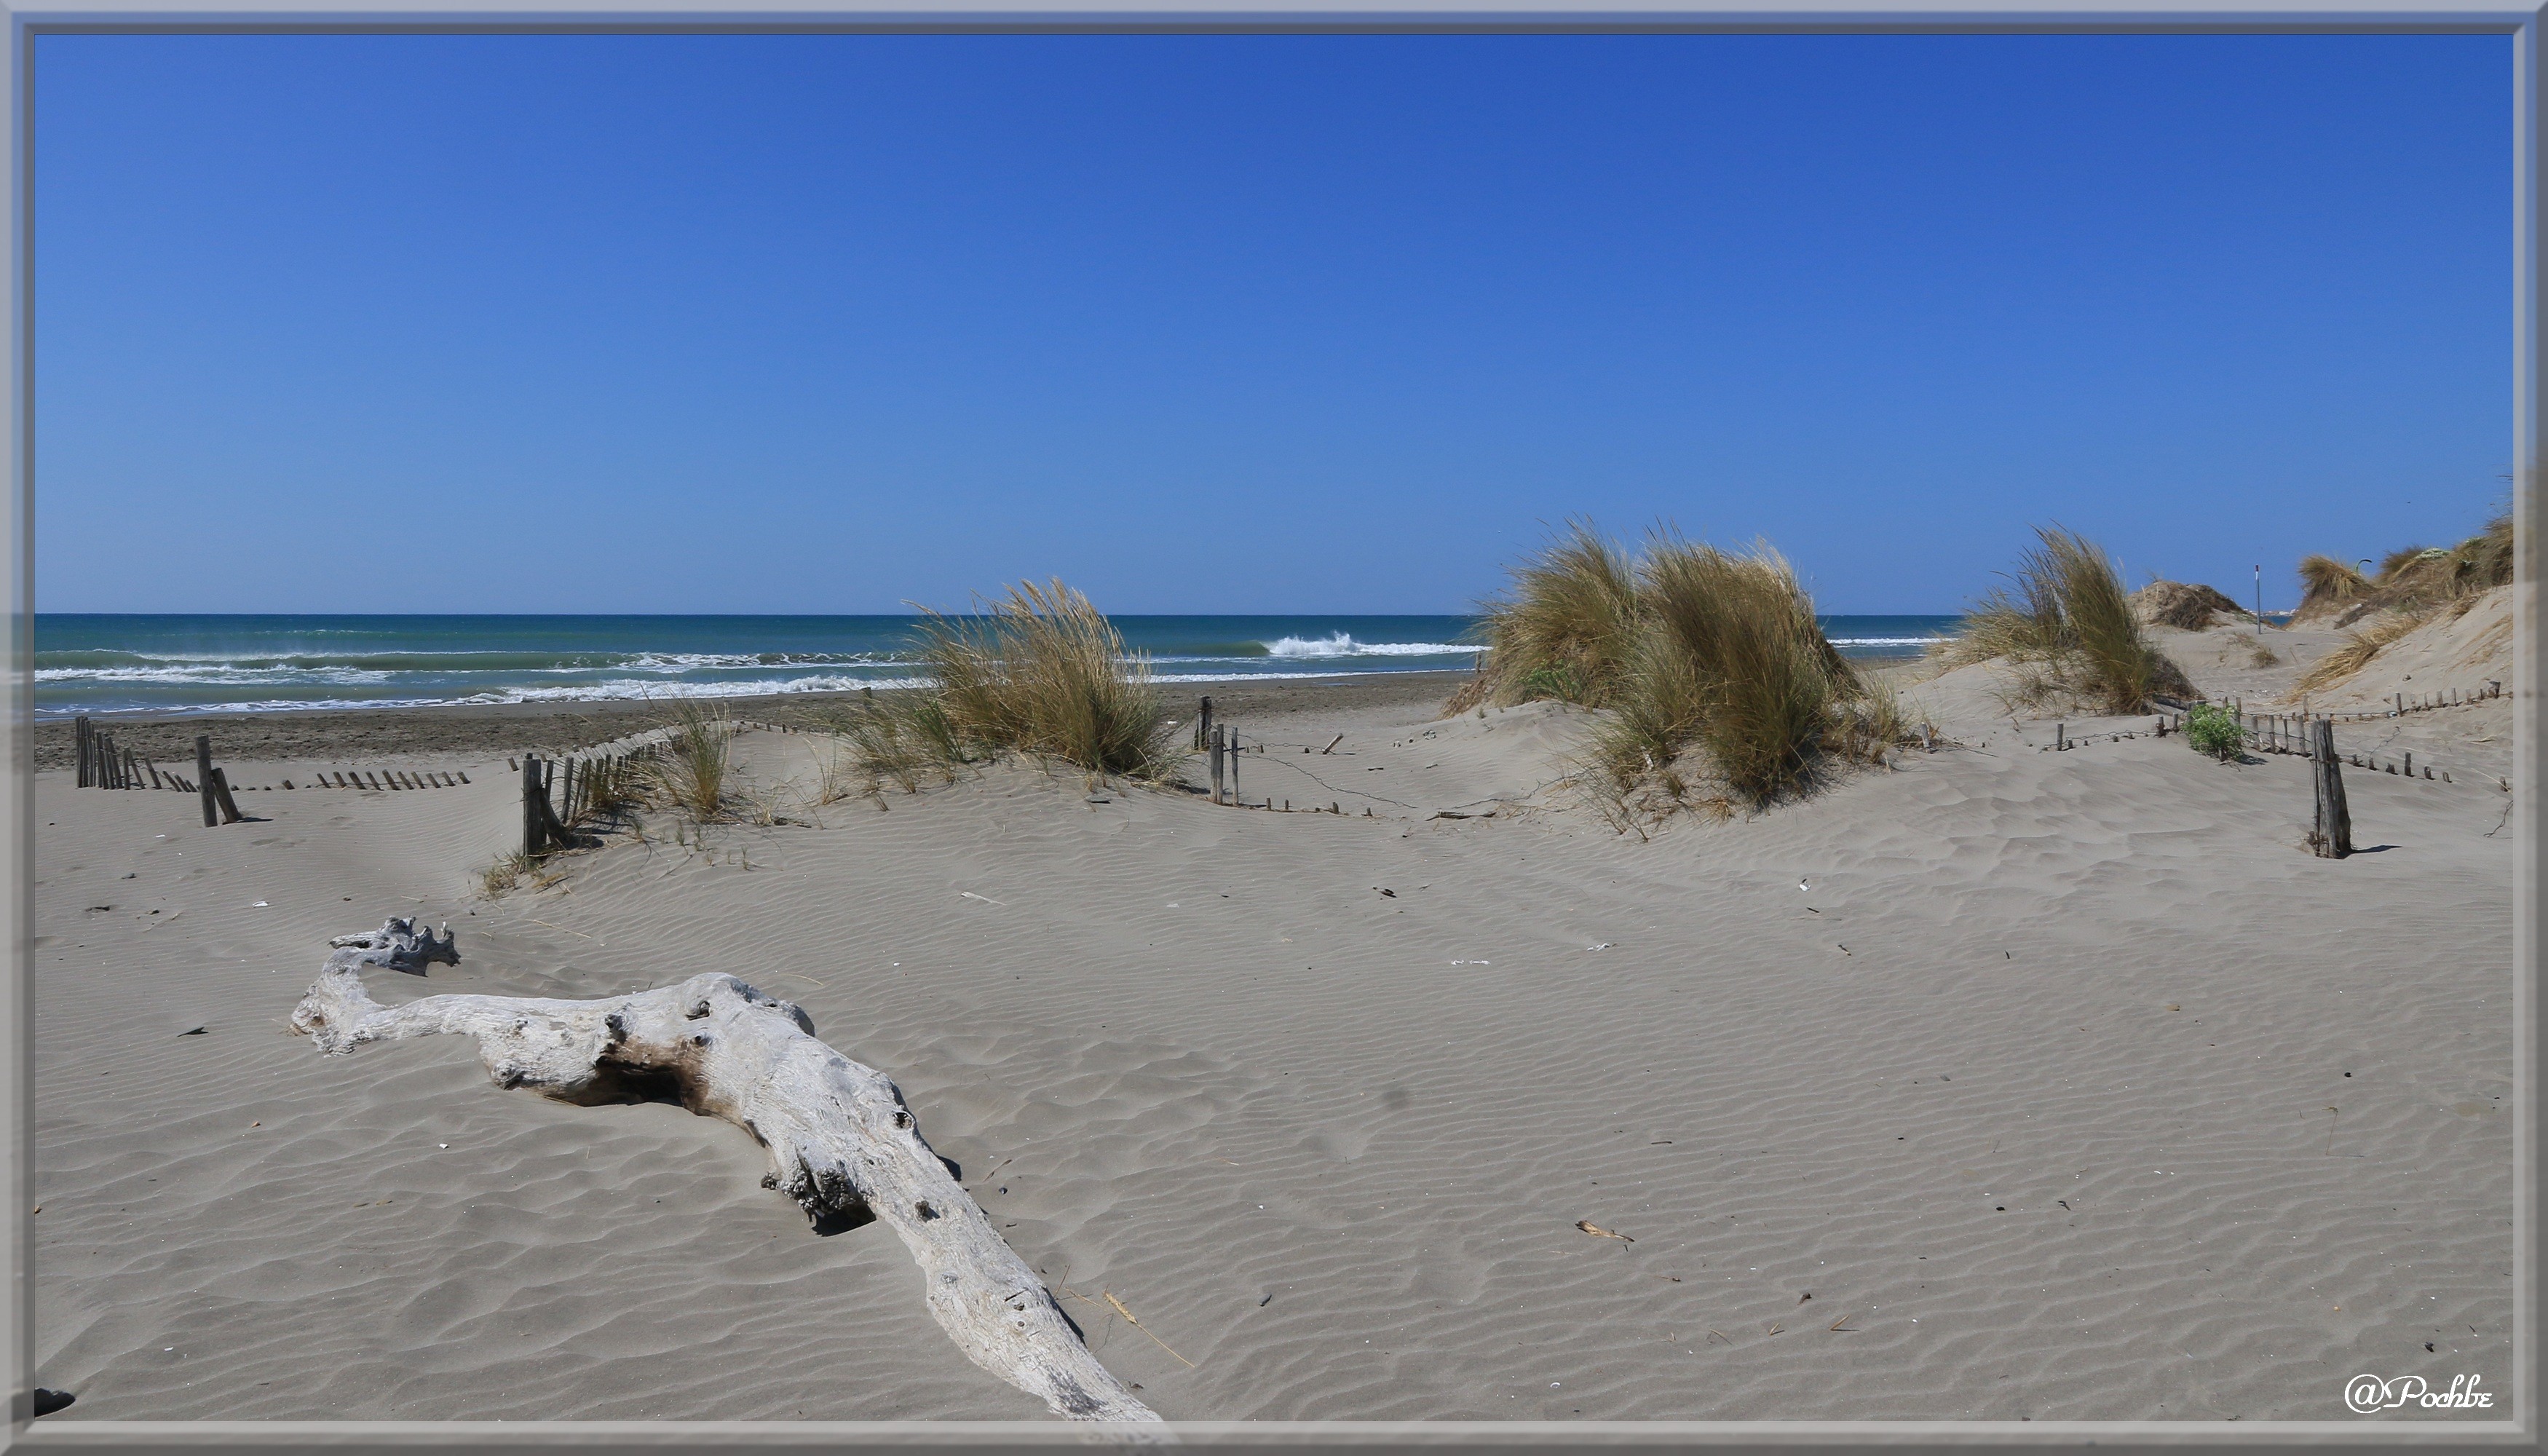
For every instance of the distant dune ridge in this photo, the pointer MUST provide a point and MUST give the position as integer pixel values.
(2183, 605)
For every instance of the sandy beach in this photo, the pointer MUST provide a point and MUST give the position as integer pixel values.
(2002, 1083)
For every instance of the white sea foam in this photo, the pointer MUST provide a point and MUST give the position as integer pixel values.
(1342, 645)
(618, 690)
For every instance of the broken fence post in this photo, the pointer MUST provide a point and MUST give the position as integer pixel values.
(204, 777)
(2333, 836)
(535, 826)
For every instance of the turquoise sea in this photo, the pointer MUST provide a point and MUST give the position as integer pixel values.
(138, 664)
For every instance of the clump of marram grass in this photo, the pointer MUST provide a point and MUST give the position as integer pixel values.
(1731, 659)
(1038, 671)
(2360, 646)
(1870, 726)
(691, 769)
(2329, 586)
(2067, 624)
(903, 737)
(1716, 687)
(2411, 579)
(1715, 684)
(1566, 630)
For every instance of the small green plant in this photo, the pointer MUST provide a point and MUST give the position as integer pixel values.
(2213, 729)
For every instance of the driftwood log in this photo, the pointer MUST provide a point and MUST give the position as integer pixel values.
(842, 1143)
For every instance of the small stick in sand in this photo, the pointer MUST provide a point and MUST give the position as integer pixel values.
(1720, 1334)
(1137, 1325)
(1842, 1323)
(1597, 1232)
(1331, 744)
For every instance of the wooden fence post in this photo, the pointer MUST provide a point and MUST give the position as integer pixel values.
(535, 826)
(221, 795)
(1203, 723)
(84, 735)
(1215, 765)
(2333, 837)
(204, 777)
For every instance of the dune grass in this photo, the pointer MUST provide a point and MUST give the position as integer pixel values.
(2068, 623)
(2358, 649)
(1037, 672)
(606, 787)
(2328, 585)
(690, 771)
(1717, 687)
(2412, 579)
(1569, 626)
(903, 738)
(1729, 659)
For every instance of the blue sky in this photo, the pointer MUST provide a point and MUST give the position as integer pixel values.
(1245, 323)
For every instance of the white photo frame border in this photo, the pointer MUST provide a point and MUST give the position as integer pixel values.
(26, 20)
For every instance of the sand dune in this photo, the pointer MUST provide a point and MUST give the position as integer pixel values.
(2067, 1078)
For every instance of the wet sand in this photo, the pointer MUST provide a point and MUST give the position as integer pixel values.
(374, 736)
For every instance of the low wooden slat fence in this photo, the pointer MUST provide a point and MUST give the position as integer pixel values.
(2293, 734)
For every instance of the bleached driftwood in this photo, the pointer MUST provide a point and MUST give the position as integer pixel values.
(841, 1139)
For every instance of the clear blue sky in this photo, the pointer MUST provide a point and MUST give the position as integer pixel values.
(1245, 323)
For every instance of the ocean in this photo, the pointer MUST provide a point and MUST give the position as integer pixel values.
(103, 664)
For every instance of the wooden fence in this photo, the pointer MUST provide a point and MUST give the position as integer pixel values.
(2291, 733)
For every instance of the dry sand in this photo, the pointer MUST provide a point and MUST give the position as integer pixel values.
(2012, 1084)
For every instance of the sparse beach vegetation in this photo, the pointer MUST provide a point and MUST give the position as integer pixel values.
(2067, 625)
(1568, 628)
(1688, 648)
(2416, 584)
(690, 771)
(1038, 671)
(2360, 646)
(2213, 729)
(2411, 579)
(2329, 586)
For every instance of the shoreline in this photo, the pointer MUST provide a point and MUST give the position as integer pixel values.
(363, 735)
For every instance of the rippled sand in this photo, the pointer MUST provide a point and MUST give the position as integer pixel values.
(2065, 1086)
